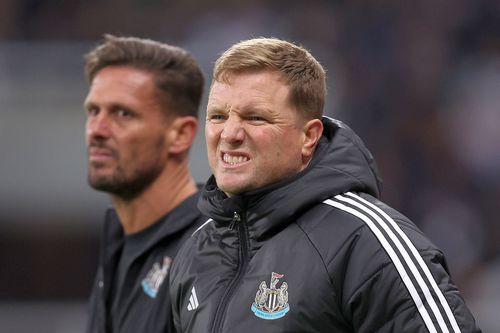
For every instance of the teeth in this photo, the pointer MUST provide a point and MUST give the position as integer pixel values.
(234, 159)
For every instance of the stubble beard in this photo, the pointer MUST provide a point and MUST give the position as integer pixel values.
(127, 186)
(127, 183)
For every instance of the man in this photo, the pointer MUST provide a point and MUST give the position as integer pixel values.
(141, 121)
(299, 241)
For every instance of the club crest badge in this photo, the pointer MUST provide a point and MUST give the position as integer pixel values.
(271, 303)
(153, 280)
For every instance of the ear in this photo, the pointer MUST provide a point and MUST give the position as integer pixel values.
(181, 134)
(313, 130)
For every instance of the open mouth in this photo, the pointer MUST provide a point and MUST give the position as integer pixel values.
(234, 159)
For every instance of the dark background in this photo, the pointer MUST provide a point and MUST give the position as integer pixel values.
(418, 80)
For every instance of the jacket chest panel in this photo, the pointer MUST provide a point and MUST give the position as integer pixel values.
(277, 292)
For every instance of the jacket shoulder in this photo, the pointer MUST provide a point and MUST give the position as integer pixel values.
(385, 270)
(351, 217)
(360, 231)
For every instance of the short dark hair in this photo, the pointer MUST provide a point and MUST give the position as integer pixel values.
(304, 75)
(178, 78)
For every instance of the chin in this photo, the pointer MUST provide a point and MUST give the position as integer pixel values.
(228, 188)
(234, 189)
(234, 183)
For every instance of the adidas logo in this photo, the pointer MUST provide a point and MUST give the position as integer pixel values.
(193, 301)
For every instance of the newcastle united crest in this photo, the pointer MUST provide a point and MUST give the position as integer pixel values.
(152, 282)
(271, 303)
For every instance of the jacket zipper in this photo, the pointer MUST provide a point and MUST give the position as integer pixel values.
(243, 261)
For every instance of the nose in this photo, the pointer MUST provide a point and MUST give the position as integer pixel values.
(98, 127)
(233, 131)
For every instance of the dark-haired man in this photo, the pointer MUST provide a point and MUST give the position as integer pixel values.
(141, 112)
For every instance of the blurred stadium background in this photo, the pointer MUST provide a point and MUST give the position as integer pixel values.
(418, 80)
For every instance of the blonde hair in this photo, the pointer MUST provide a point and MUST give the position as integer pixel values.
(304, 75)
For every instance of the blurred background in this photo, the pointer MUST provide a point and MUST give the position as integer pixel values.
(418, 80)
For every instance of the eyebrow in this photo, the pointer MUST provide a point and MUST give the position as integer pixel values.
(112, 105)
(88, 104)
(217, 108)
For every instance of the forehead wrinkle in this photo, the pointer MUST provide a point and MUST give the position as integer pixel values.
(243, 94)
(218, 107)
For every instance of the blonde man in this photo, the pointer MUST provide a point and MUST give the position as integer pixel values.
(298, 240)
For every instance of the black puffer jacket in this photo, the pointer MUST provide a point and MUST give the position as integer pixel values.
(315, 253)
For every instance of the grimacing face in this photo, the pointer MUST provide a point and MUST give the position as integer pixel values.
(254, 136)
(125, 131)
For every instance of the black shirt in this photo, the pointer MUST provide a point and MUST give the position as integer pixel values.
(130, 292)
(133, 246)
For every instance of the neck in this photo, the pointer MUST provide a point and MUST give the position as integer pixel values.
(173, 186)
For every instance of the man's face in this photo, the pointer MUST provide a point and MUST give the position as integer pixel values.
(125, 131)
(254, 136)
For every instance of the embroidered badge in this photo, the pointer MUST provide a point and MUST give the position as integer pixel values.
(152, 282)
(271, 303)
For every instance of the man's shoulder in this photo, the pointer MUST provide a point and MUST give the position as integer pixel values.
(360, 221)
(351, 212)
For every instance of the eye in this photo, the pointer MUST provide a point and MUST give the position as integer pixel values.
(216, 118)
(122, 113)
(256, 120)
(92, 111)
